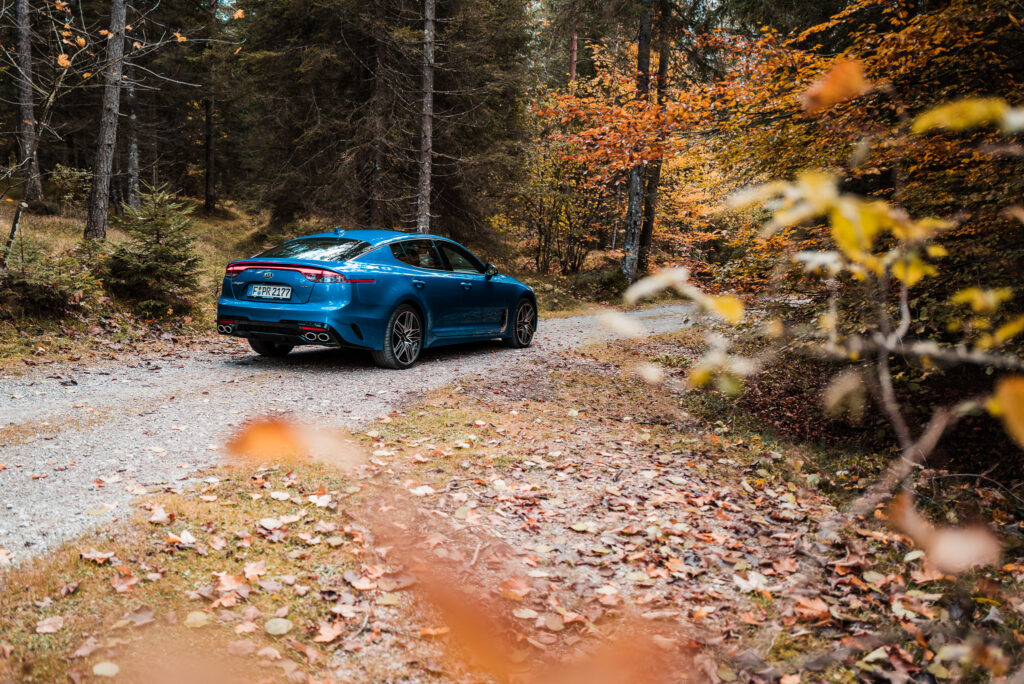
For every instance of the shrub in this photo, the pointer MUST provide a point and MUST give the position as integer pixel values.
(72, 186)
(158, 267)
(38, 284)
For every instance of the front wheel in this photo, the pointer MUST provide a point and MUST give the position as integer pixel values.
(271, 349)
(403, 339)
(524, 325)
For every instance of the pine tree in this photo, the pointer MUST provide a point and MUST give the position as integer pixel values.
(158, 267)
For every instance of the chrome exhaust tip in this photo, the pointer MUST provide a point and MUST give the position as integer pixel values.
(323, 337)
(310, 336)
(224, 328)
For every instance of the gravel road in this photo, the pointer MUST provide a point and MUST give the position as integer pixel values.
(78, 442)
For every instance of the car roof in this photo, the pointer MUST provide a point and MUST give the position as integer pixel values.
(374, 237)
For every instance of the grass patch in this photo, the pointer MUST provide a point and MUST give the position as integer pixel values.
(172, 577)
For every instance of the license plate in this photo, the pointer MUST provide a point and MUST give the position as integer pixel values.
(271, 292)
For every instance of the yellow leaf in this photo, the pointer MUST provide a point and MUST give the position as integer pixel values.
(1009, 330)
(914, 231)
(982, 301)
(700, 376)
(962, 114)
(87, 74)
(936, 251)
(855, 224)
(180, 38)
(80, 41)
(912, 270)
(845, 80)
(105, 32)
(137, 45)
(1010, 398)
(63, 61)
(238, 14)
(727, 306)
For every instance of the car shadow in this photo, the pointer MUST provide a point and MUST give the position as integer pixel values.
(344, 359)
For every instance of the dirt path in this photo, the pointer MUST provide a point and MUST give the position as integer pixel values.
(78, 442)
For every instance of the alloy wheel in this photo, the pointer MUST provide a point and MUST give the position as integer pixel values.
(525, 323)
(406, 337)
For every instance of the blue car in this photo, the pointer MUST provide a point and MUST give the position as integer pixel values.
(394, 294)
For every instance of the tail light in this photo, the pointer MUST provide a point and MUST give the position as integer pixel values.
(313, 275)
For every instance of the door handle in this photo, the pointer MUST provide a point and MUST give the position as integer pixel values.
(466, 286)
(418, 283)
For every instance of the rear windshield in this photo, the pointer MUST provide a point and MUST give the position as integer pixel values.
(318, 249)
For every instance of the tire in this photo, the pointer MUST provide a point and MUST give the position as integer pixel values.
(403, 339)
(524, 324)
(271, 349)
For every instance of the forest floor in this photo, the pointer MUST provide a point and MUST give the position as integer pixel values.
(557, 521)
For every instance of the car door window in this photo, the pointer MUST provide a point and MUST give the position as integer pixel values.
(460, 259)
(419, 253)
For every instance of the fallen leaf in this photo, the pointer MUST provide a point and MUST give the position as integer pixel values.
(242, 647)
(434, 631)
(105, 669)
(99, 557)
(277, 626)
(197, 619)
(328, 631)
(50, 625)
(515, 588)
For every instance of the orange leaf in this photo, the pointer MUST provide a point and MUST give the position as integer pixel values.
(515, 588)
(845, 80)
(434, 631)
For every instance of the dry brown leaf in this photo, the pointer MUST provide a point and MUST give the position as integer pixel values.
(515, 588)
(328, 631)
(811, 609)
(50, 625)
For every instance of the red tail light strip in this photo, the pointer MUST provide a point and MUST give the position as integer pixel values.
(312, 274)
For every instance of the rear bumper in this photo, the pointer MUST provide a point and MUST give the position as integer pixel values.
(294, 325)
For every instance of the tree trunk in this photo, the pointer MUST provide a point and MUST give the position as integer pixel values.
(13, 234)
(427, 121)
(210, 201)
(634, 211)
(209, 107)
(375, 195)
(573, 54)
(654, 168)
(27, 133)
(154, 150)
(132, 133)
(99, 195)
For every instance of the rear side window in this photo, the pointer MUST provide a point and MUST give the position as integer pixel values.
(419, 253)
(318, 249)
(461, 260)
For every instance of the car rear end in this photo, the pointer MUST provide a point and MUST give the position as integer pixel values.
(300, 293)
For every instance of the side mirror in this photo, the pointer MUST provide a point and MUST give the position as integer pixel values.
(491, 271)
